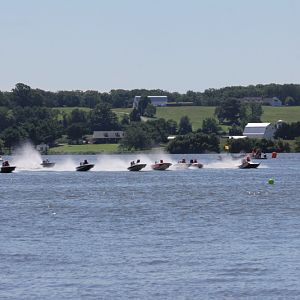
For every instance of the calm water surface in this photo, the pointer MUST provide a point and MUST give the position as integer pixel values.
(214, 233)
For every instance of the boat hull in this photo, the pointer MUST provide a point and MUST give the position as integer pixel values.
(7, 169)
(161, 166)
(136, 167)
(197, 165)
(84, 168)
(48, 165)
(249, 166)
(182, 165)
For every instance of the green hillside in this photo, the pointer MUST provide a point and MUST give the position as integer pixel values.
(198, 113)
(286, 113)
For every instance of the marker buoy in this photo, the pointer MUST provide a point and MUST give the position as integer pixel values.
(274, 154)
(271, 181)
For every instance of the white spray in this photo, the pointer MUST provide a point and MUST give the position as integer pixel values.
(26, 157)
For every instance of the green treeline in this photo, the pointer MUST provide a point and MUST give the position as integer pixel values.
(27, 114)
(23, 95)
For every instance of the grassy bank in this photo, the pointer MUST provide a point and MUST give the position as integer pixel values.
(85, 149)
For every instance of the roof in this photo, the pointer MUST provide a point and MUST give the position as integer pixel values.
(108, 134)
(236, 137)
(158, 96)
(257, 125)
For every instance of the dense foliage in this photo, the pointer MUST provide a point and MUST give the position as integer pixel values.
(149, 134)
(233, 111)
(23, 95)
(246, 145)
(194, 143)
(288, 131)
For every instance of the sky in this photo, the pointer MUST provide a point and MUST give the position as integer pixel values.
(171, 45)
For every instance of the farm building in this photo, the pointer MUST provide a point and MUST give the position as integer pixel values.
(155, 100)
(259, 130)
(102, 137)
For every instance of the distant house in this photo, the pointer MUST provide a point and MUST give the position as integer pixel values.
(259, 130)
(272, 101)
(155, 100)
(103, 137)
(42, 148)
(252, 99)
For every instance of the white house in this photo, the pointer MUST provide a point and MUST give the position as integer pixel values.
(155, 100)
(107, 136)
(259, 130)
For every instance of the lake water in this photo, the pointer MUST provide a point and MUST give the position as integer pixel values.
(213, 233)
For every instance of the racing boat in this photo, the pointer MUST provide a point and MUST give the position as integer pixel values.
(6, 168)
(161, 165)
(47, 164)
(249, 165)
(195, 164)
(182, 164)
(136, 166)
(84, 166)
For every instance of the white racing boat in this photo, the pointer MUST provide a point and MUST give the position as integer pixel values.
(195, 164)
(182, 164)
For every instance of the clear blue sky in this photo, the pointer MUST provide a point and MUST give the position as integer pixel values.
(167, 44)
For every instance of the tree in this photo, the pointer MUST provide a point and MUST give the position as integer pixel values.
(288, 131)
(185, 125)
(210, 125)
(150, 111)
(102, 118)
(135, 138)
(194, 143)
(125, 120)
(289, 101)
(229, 111)
(171, 126)
(76, 131)
(235, 130)
(22, 94)
(142, 105)
(250, 112)
(135, 116)
(297, 144)
(12, 136)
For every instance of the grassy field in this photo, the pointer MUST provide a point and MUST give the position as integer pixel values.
(87, 148)
(198, 113)
(286, 113)
(68, 110)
